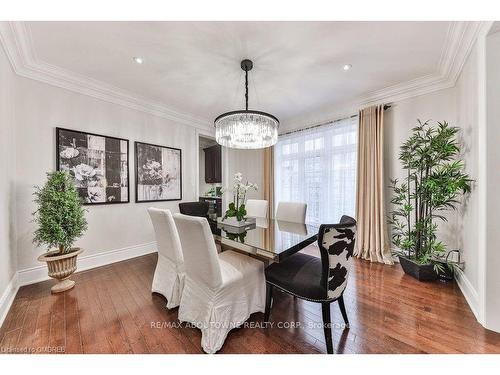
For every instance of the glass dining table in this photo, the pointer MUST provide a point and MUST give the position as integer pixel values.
(269, 239)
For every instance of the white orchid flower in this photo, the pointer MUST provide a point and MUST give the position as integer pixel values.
(240, 189)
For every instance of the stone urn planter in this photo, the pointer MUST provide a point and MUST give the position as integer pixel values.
(61, 267)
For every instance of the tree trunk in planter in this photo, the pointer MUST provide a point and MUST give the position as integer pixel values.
(61, 267)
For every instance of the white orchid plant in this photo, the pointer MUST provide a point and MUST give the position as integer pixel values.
(240, 189)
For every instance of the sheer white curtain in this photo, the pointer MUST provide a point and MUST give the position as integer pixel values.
(318, 166)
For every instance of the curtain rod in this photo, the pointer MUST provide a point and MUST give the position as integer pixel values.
(386, 106)
(318, 125)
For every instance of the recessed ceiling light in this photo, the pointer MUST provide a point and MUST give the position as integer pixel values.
(138, 60)
(347, 66)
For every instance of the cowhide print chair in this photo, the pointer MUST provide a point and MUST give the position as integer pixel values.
(321, 280)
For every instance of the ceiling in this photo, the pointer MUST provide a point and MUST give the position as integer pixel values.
(193, 68)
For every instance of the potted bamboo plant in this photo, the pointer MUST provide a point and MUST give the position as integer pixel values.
(61, 220)
(434, 180)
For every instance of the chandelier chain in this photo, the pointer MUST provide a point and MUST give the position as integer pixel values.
(246, 89)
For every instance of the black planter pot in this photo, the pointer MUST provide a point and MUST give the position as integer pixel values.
(421, 272)
(446, 273)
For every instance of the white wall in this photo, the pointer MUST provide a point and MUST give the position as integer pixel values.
(8, 261)
(468, 217)
(492, 281)
(248, 162)
(39, 109)
(399, 120)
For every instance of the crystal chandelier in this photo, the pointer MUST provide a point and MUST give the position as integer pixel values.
(246, 129)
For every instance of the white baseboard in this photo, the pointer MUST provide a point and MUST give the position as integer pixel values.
(39, 273)
(8, 297)
(469, 292)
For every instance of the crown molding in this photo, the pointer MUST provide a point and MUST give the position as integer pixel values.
(459, 41)
(460, 38)
(18, 45)
(16, 39)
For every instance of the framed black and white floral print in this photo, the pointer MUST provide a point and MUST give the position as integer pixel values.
(158, 173)
(98, 164)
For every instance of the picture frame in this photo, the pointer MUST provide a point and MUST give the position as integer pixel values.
(158, 173)
(99, 165)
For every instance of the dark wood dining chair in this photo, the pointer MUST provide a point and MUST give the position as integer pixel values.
(199, 209)
(321, 280)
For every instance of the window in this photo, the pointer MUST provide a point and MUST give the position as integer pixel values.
(318, 166)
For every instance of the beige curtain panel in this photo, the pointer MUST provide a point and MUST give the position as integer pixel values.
(269, 190)
(269, 180)
(372, 240)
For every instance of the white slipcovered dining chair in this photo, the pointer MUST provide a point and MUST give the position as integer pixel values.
(220, 290)
(294, 212)
(256, 207)
(168, 279)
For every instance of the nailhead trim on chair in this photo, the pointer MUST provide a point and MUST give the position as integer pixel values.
(301, 297)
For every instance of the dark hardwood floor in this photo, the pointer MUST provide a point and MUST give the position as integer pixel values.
(111, 310)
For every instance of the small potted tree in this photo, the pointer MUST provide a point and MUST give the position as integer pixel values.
(61, 220)
(434, 181)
